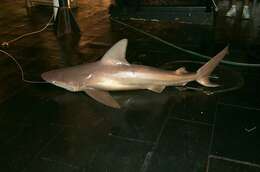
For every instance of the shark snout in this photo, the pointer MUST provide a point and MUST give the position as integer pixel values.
(45, 76)
(49, 77)
(55, 78)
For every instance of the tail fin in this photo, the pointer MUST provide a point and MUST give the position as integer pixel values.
(204, 72)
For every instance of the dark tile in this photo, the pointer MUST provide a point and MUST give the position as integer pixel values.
(74, 147)
(218, 165)
(48, 165)
(195, 106)
(248, 95)
(118, 155)
(142, 115)
(237, 134)
(28, 109)
(21, 144)
(183, 147)
(80, 149)
(9, 133)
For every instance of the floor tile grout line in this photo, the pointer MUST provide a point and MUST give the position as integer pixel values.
(190, 121)
(234, 161)
(131, 139)
(161, 131)
(239, 106)
(213, 129)
(59, 162)
(208, 164)
(149, 155)
(212, 137)
(43, 148)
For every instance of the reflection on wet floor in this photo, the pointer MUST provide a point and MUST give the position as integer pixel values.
(45, 128)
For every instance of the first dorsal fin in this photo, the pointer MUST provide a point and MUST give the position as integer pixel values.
(117, 54)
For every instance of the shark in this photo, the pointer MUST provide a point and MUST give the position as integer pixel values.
(114, 73)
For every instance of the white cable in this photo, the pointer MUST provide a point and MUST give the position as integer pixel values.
(21, 69)
(7, 43)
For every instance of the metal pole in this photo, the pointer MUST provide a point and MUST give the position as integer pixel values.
(55, 8)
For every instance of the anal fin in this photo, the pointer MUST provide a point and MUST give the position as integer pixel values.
(156, 88)
(102, 97)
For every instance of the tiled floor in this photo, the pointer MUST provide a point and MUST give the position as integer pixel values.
(48, 129)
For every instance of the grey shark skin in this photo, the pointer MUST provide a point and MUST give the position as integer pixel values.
(114, 73)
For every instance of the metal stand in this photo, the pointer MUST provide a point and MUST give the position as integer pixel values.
(65, 22)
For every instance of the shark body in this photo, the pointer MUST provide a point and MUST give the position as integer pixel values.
(114, 73)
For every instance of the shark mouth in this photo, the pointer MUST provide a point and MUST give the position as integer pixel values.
(63, 85)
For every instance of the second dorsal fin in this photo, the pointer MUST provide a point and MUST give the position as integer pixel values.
(181, 70)
(117, 54)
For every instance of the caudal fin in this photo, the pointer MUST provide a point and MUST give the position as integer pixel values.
(204, 72)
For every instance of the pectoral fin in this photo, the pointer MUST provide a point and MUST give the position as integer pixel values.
(102, 97)
(156, 88)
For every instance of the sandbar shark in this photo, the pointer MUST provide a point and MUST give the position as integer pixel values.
(114, 73)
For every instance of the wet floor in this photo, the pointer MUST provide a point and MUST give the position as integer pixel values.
(46, 128)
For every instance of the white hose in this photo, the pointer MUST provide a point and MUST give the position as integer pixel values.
(7, 43)
(21, 69)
